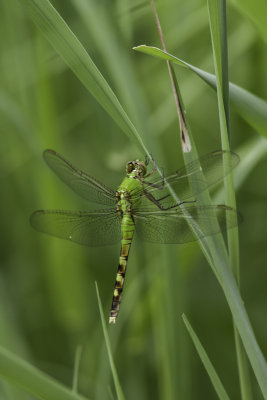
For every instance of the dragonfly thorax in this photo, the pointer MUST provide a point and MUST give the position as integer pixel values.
(135, 169)
(124, 204)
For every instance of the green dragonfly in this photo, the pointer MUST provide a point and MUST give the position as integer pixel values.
(142, 203)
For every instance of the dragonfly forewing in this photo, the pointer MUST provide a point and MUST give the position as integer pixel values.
(79, 181)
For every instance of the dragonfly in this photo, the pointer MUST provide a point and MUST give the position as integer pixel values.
(143, 204)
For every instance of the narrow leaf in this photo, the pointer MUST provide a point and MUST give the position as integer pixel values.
(22, 374)
(252, 108)
(74, 54)
(218, 29)
(107, 341)
(215, 380)
(77, 362)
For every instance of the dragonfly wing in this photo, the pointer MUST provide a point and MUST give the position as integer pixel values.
(96, 228)
(211, 165)
(79, 181)
(172, 226)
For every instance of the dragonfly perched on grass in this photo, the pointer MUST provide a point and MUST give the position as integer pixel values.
(141, 203)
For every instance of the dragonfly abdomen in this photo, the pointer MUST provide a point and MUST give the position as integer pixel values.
(127, 231)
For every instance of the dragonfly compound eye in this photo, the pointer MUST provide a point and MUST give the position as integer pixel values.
(130, 167)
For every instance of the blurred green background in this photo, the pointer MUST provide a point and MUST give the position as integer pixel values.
(48, 303)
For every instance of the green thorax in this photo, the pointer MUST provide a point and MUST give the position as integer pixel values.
(131, 186)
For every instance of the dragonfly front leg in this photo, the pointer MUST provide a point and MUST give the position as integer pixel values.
(154, 163)
(155, 168)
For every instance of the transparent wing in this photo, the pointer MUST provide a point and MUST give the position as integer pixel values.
(212, 166)
(79, 181)
(96, 228)
(172, 226)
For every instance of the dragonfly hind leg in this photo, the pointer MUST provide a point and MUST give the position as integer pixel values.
(160, 187)
(160, 206)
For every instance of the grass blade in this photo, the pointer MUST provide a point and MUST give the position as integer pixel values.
(216, 254)
(217, 384)
(252, 108)
(77, 362)
(218, 29)
(74, 54)
(120, 394)
(22, 374)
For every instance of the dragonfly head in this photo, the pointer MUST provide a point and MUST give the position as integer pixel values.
(136, 168)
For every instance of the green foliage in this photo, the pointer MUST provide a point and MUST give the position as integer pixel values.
(218, 386)
(29, 378)
(252, 108)
(108, 345)
(48, 301)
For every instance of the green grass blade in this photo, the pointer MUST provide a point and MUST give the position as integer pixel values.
(118, 388)
(243, 325)
(77, 362)
(210, 246)
(252, 108)
(107, 41)
(22, 374)
(217, 384)
(218, 28)
(74, 54)
(216, 254)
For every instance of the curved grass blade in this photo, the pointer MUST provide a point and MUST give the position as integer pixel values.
(67, 45)
(24, 375)
(96, 228)
(215, 380)
(252, 108)
(79, 181)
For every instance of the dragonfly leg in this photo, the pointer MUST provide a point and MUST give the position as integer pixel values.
(160, 187)
(164, 197)
(154, 169)
(151, 172)
(154, 200)
(179, 204)
(160, 206)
